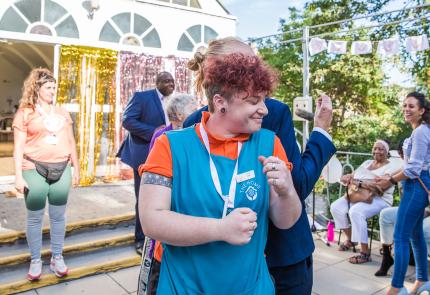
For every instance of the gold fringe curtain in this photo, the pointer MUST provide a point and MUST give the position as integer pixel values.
(87, 79)
(428, 80)
(138, 73)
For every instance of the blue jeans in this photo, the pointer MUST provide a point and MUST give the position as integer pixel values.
(409, 226)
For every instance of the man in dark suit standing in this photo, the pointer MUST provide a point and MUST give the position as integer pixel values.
(289, 252)
(143, 116)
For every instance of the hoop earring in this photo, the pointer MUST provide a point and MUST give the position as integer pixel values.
(223, 110)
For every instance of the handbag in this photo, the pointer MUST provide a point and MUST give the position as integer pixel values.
(52, 172)
(425, 188)
(356, 193)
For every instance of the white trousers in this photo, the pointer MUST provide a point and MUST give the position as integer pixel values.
(387, 220)
(358, 214)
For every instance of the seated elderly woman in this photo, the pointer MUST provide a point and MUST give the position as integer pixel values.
(359, 211)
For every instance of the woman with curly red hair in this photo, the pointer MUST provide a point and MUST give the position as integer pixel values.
(205, 188)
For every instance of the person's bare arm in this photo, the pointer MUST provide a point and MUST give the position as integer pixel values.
(74, 156)
(285, 206)
(160, 223)
(385, 181)
(19, 138)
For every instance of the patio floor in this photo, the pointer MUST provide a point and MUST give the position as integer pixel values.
(333, 275)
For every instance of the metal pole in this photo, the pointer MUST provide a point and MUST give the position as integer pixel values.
(305, 81)
(56, 70)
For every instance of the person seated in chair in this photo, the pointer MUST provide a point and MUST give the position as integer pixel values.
(351, 216)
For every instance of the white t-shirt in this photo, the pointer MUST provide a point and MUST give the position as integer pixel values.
(363, 173)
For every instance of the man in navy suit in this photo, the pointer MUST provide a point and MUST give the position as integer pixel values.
(143, 116)
(289, 252)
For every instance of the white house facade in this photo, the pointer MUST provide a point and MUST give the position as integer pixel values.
(33, 31)
(29, 29)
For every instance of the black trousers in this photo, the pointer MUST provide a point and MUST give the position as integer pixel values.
(154, 277)
(138, 233)
(296, 279)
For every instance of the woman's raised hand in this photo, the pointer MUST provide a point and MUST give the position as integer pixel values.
(278, 174)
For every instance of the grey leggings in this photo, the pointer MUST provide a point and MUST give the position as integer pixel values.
(35, 199)
(57, 220)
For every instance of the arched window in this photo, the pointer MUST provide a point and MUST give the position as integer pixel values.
(130, 29)
(44, 17)
(196, 36)
(190, 3)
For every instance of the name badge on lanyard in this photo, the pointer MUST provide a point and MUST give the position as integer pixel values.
(52, 122)
(228, 199)
(51, 139)
(245, 176)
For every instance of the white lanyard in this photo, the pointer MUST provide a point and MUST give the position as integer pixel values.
(228, 199)
(52, 122)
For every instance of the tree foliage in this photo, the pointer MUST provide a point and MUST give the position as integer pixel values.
(365, 107)
(417, 23)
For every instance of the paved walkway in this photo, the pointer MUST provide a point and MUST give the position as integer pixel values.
(121, 282)
(84, 203)
(333, 275)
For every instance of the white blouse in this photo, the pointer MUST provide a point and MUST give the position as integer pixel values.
(363, 173)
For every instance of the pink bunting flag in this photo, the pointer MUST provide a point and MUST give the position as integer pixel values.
(337, 47)
(361, 47)
(317, 45)
(388, 47)
(417, 43)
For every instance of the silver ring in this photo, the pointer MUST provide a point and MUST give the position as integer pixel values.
(274, 182)
(273, 166)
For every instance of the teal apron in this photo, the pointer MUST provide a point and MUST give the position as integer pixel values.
(217, 267)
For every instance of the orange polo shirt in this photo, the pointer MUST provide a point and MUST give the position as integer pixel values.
(31, 122)
(160, 162)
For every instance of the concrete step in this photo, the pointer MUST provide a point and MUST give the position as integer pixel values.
(91, 247)
(82, 241)
(85, 225)
(13, 277)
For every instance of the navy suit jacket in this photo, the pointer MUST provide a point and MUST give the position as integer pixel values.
(143, 114)
(287, 247)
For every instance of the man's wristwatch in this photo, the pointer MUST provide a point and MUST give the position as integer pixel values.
(392, 180)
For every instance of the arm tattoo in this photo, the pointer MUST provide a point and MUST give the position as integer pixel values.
(157, 179)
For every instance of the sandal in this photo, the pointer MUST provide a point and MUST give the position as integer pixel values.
(360, 258)
(345, 246)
